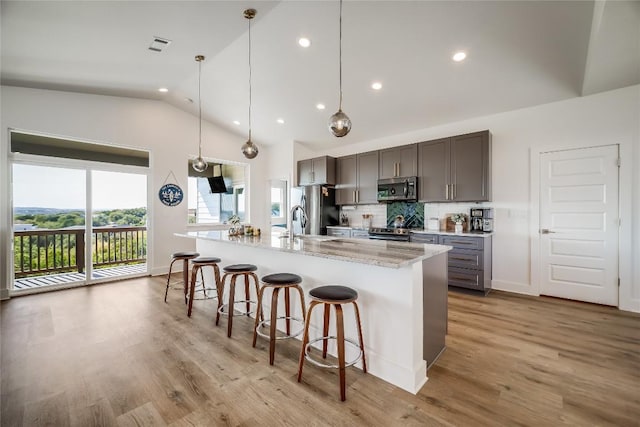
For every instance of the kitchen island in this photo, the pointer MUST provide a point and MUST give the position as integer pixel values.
(402, 290)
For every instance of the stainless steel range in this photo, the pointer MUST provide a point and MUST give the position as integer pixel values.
(398, 234)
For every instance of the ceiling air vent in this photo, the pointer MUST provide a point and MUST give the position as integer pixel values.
(158, 44)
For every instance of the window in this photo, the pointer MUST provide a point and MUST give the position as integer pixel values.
(209, 202)
(278, 202)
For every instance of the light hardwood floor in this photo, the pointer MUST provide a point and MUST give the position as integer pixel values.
(116, 354)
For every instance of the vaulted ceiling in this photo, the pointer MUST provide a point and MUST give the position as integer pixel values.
(519, 54)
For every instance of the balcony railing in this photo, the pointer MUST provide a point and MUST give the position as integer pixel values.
(38, 252)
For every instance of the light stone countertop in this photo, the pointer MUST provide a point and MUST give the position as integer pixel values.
(383, 253)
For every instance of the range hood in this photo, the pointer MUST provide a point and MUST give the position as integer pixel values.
(216, 183)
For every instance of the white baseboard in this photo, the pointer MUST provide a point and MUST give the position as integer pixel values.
(161, 271)
(518, 288)
(632, 304)
(4, 294)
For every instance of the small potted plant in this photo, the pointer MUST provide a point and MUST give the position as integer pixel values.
(458, 219)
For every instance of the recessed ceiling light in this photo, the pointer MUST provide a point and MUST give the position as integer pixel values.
(376, 85)
(304, 42)
(235, 122)
(163, 90)
(320, 106)
(459, 56)
(281, 121)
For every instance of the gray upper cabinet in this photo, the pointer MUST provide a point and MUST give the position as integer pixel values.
(456, 169)
(398, 161)
(321, 170)
(357, 179)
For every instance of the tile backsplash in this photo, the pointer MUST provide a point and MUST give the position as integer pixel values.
(381, 216)
(413, 214)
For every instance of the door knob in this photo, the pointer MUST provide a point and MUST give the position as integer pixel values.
(546, 231)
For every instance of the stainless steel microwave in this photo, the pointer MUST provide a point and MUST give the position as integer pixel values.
(398, 189)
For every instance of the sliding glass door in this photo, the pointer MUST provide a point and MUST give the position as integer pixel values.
(49, 226)
(119, 224)
(55, 208)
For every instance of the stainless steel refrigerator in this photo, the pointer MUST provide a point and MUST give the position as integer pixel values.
(319, 204)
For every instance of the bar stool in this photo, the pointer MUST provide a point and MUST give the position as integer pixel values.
(183, 256)
(235, 270)
(332, 295)
(197, 265)
(284, 281)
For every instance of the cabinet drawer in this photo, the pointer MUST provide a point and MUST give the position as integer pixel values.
(338, 232)
(423, 238)
(360, 234)
(470, 279)
(466, 258)
(462, 242)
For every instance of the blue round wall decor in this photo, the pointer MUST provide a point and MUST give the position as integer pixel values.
(171, 194)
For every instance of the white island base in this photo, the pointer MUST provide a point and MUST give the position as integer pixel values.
(403, 309)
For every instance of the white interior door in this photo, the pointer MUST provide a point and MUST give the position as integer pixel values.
(579, 224)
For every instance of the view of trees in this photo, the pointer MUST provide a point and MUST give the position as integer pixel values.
(65, 219)
(43, 250)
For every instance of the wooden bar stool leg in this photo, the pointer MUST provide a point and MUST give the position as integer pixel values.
(185, 277)
(272, 325)
(287, 310)
(232, 293)
(246, 292)
(220, 296)
(325, 330)
(340, 337)
(258, 310)
(216, 271)
(305, 338)
(364, 360)
(192, 287)
(302, 306)
(256, 284)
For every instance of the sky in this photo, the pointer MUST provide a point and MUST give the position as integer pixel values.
(51, 187)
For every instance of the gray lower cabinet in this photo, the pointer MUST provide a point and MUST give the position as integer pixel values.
(469, 260)
(339, 232)
(359, 234)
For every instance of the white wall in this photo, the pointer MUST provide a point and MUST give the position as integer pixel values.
(607, 118)
(170, 135)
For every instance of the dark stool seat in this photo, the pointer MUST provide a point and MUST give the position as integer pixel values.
(239, 268)
(183, 256)
(333, 295)
(198, 264)
(233, 271)
(205, 260)
(276, 282)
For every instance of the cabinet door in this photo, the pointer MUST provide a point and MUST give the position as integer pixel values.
(387, 167)
(324, 170)
(408, 160)
(346, 181)
(398, 161)
(305, 172)
(433, 170)
(423, 238)
(470, 167)
(367, 167)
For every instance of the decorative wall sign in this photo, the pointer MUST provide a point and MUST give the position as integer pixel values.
(171, 194)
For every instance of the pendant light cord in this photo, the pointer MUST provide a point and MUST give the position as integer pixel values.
(249, 79)
(340, 107)
(199, 111)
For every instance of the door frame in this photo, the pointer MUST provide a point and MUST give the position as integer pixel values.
(625, 150)
(87, 167)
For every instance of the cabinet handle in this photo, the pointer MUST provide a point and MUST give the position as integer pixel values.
(354, 196)
(446, 191)
(313, 176)
(457, 242)
(461, 259)
(463, 279)
(357, 196)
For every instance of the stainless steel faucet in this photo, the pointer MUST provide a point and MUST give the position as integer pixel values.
(291, 215)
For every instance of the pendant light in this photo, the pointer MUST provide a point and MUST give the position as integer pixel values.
(199, 165)
(340, 123)
(249, 149)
